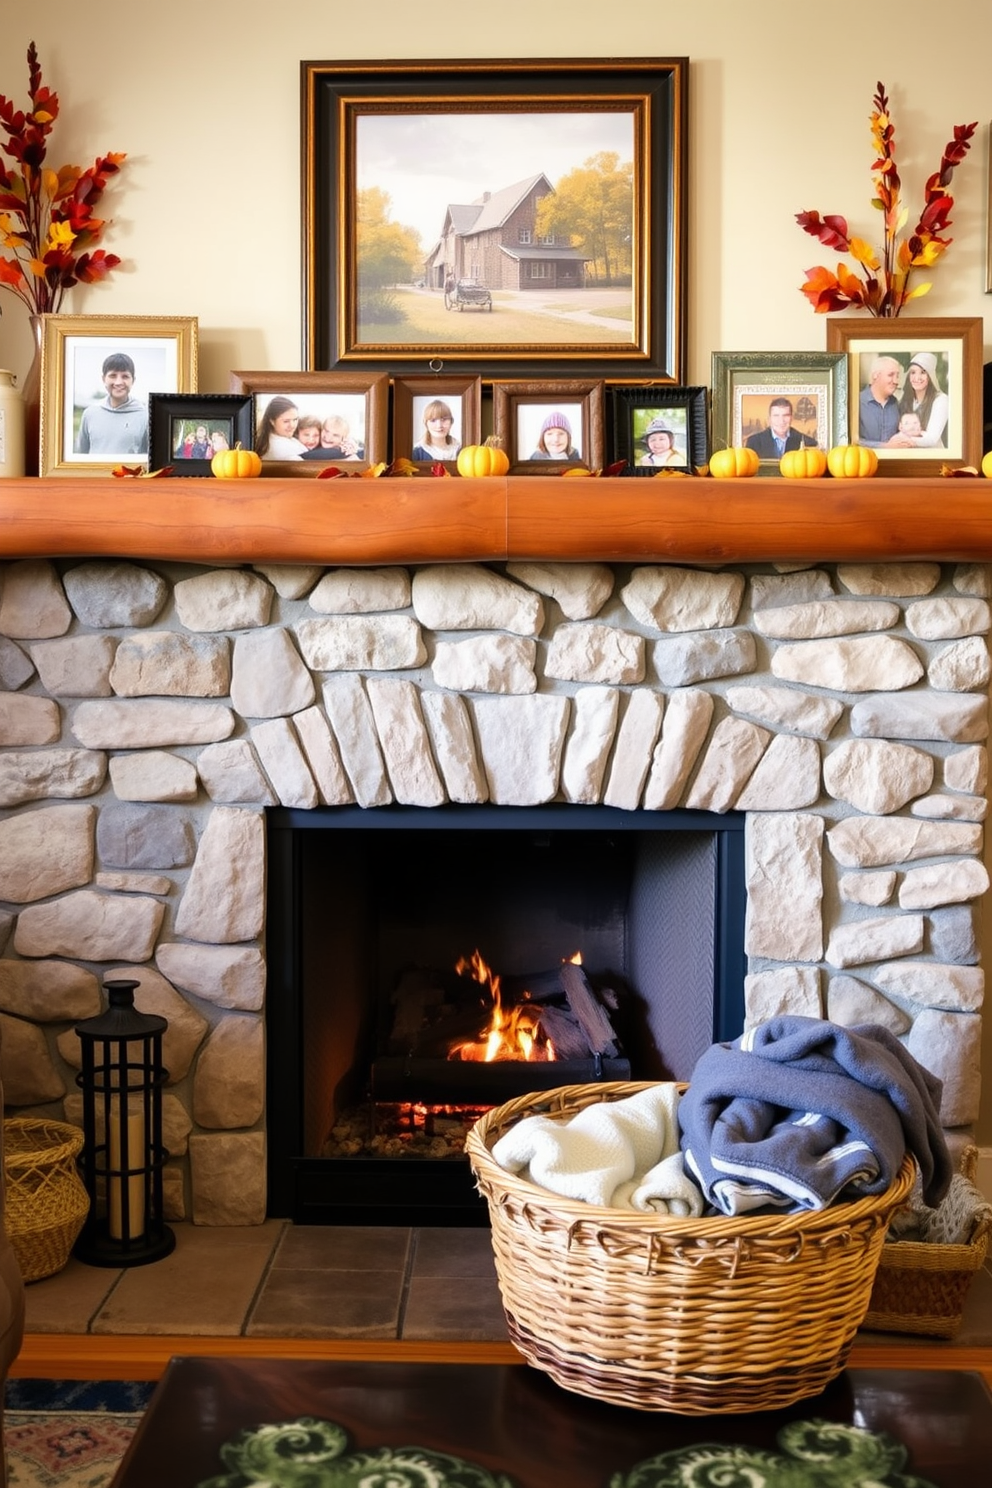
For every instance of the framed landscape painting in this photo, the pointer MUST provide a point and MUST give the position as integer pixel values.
(503, 217)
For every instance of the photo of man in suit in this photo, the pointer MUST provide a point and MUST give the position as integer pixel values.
(779, 437)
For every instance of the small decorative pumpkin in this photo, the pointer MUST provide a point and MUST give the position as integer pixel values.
(738, 460)
(852, 461)
(483, 459)
(236, 464)
(987, 465)
(803, 463)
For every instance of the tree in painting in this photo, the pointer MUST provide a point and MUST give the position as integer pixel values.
(594, 206)
(387, 253)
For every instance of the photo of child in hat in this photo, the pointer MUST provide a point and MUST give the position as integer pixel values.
(554, 442)
(659, 444)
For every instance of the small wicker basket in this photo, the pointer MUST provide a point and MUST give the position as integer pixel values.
(694, 1316)
(46, 1201)
(922, 1286)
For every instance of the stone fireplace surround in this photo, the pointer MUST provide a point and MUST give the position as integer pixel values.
(151, 709)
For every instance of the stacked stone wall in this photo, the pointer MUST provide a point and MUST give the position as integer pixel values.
(149, 713)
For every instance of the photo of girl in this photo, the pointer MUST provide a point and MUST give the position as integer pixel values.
(554, 441)
(308, 430)
(437, 440)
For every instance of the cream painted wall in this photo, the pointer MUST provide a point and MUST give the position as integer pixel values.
(204, 98)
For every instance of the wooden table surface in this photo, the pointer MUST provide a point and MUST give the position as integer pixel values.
(512, 1420)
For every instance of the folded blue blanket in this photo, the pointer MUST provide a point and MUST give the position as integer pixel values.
(799, 1112)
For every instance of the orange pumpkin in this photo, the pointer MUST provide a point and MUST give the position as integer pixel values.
(236, 464)
(482, 459)
(738, 460)
(852, 461)
(803, 463)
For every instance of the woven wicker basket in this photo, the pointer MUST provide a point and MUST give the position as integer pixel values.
(46, 1201)
(693, 1316)
(922, 1286)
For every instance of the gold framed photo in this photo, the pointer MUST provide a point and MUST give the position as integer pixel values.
(915, 390)
(302, 422)
(97, 374)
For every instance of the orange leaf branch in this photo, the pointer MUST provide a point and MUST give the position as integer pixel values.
(882, 284)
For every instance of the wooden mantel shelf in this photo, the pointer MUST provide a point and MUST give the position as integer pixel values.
(426, 520)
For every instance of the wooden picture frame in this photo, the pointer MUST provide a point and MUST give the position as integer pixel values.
(415, 397)
(522, 409)
(352, 405)
(746, 383)
(176, 419)
(417, 177)
(951, 352)
(79, 358)
(659, 428)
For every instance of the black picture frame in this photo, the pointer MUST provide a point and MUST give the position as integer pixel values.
(683, 410)
(169, 414)
(358, 117)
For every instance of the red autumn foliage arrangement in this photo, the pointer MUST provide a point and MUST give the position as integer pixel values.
(47, 217)
(883, 288)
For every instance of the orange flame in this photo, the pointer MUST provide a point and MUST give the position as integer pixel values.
(512, 1033)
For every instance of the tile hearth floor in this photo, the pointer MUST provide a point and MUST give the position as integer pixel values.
(280, 1280)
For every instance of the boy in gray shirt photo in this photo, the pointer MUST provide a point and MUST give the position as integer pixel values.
(119, 424)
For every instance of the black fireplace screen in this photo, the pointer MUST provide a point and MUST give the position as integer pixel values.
(369, 913)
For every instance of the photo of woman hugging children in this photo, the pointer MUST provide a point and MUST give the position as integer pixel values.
(284, 433)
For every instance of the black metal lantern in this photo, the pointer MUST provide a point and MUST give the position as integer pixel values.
(123, 1156)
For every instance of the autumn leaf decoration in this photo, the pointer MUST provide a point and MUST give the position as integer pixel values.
(883, 286)
(47, 221)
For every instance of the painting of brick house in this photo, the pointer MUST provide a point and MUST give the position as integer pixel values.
(493, 240)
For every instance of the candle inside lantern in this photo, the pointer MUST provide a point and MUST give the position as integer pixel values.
(135, 1226)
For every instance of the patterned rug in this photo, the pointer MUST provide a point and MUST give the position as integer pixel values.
(69, 1433)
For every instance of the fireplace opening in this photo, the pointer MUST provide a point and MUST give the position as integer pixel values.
(618, 935)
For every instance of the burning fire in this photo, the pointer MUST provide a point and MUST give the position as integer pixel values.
(512, 1033)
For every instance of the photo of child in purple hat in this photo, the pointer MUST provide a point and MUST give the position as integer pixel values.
(554, 442)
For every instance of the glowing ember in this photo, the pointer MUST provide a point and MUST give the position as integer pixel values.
(512, 1033)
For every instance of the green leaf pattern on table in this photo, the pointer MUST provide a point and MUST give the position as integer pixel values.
(814, 1454)
(309, 1453)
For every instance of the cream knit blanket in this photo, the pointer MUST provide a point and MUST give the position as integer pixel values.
(623, 1154)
